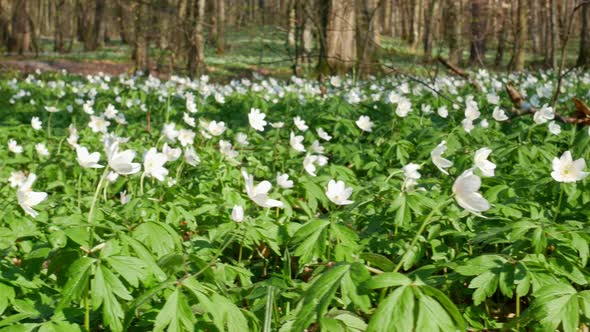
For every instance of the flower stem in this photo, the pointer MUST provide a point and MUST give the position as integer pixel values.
(90, 245)
(558, 205)
(141, 183)
(49, 125)
(418, 233)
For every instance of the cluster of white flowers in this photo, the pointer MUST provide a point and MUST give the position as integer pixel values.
(305, 145)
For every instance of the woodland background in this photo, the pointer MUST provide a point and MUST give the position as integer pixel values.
(313, 38)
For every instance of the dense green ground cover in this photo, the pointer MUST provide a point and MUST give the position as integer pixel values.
(459, 214)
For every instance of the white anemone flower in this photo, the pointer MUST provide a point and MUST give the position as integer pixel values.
(86, 159)
(186, 137)
(191, 157)
(300, 124)
(41, 149)
(259, 193)
(364, 123)
(323, 134)
(17, 178)
(544, 114)
(188, 120)
(283, 181)
(171, 153)
(404, 107)
(242, 139)
(121, 162)
(14, 147)
(170, 132)
(554, 128)
(215, 128)
(98, 124)
(256, 119)
(437, 159)
(237, 213)
(153, 164)
(565, 169)
(36, 123)
(338, 194)
(466, 188)
(295, 142)
(486, 167)
(227, 149)
(499, 115)
(27, 198)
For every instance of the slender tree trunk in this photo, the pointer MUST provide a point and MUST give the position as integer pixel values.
(386, 17)
(584, 54)
(341, 36)
(196, 56)
(58, 43)
(367, 37)
(95, 35)
(428, 30)
(552, 35)
(141, 44)
(503, 21)
(517, 62)
(125, 21)
(220, 46)
(479, 13)
(21, 30)
(453, 30)
(324, 10)
(534, 31)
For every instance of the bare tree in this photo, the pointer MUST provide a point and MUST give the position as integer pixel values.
(584, 53)
(453, 30)
(196, 54)
(479, 16)
(141, 43)
(21, 38)
(520, 37)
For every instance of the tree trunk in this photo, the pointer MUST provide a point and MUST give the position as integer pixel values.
(124, 17)
(517, 61)
(220, 45)
(341, 36)
(21, 29)
(479, 13)
(367, 37)
(535, 30)
(196, 56)
(503, 21)
(323, 8)
(95, 35)
(584, 54)
(551, 35)
(386, 17)
(59, 29)
(428, 33)
(453, 30)
(141, 44)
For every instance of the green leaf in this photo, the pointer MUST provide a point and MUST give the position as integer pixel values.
(319, 295)
(311, 238)
(395, 313)
(6, 296)
(105, 286)
(554, 305)
(388, 279)
(78, 276)
(176, 314)
(130, 268)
